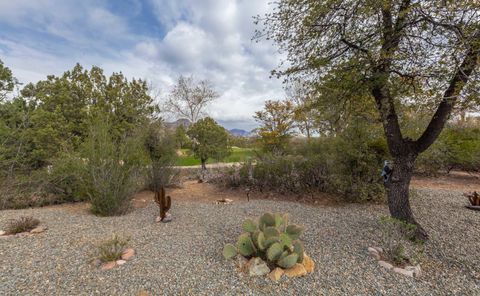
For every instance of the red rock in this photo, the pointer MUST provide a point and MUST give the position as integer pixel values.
(296, 271)
(128, 254)
(109, 265)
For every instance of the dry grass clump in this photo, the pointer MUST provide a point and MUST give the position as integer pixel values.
(22, 224)
(112, 249)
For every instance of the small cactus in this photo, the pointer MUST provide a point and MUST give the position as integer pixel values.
(271, 238)
(164, 202)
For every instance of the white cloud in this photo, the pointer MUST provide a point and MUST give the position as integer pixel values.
(207, 38)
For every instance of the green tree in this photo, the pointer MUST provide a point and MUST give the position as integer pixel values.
(181, 137)
(277, 123)
(54, 113)
(7, 81)
(209, 140)
(403, 52)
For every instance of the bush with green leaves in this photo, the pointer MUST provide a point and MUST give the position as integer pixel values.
(160, 147)
(458, 147)
(346, 165)
(399, 243)
(111, 170)
(270, 238)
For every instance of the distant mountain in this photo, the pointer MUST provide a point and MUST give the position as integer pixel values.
(173, 125)
(239, 132)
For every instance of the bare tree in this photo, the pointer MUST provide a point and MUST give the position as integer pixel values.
(189, 98)
(304, 114)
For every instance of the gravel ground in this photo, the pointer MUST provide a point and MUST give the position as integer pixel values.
(184, 257)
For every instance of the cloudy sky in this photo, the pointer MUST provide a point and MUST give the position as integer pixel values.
(152, 39)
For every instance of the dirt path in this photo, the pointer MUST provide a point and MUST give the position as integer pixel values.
(460, 181)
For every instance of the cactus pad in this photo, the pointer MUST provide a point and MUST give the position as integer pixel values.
(245, 245)
(229, 251)
(274, 252)
(249, 225)
(294, 231)
(288, 261)
(298, 248)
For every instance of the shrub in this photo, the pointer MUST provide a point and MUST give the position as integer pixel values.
(111, 170)
(340, 165)
(270, 238)
(22, 224)
(160, 147)
(399, 242)
(458, 147)
(112, 249)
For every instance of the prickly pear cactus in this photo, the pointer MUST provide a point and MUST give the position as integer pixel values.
(270, 238)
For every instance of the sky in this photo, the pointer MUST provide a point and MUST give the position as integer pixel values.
(156, 40)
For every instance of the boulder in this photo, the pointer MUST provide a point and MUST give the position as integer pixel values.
(276, 274)
(308, 263)
(257, 267)
(296, 271)
(128, 254)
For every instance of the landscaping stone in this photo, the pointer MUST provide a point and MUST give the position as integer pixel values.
(296, 271)
(128, 254)
(2, 232)
(109, 265)
(242, 262)
(257, 267)
(97, 262)
(385, 264)
(158, 219)
(38, 229)
(417, 271)
(374, 252)
(276, 274)
(378, 249)
(308, 263)
(120, 262)
(403, 271)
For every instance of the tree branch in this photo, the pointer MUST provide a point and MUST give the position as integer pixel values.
(458, 81)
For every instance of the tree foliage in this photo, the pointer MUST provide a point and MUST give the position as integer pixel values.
(54, 114)
(277, 123)
(209, 140)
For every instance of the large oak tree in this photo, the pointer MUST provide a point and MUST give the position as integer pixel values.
(404, 51)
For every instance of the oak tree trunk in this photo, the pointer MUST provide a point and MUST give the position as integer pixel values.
(204, 162)
(397, 188)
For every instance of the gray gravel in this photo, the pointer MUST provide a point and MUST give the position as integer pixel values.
(184, 257)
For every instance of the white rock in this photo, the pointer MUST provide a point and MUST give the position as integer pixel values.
(2, 232)
(403, 271)
(257, 267)
(121, 262)
(374, 253)
(379, 250)
(417, 271)
(158, 219)
(385, 264)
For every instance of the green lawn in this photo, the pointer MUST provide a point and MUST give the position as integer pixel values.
(237, 155)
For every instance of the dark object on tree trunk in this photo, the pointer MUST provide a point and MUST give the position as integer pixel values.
(387, 171)
(164, 202)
